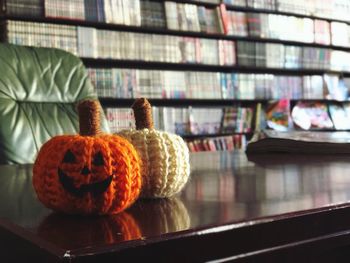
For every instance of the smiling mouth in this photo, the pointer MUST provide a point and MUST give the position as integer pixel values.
(93, 188)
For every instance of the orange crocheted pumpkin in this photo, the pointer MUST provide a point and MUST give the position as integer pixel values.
(88, 173)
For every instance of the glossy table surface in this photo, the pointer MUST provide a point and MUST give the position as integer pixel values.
(232, 208)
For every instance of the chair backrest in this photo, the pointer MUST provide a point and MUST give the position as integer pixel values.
(39, 90)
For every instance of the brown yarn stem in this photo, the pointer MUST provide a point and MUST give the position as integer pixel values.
(143, 114)
(89, 117)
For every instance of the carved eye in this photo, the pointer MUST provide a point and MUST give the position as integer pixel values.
(69, 157)
(98, 159)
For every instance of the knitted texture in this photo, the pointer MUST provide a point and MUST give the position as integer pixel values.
(165, 161)
(143, 114)
(87, 174)
(89, 118)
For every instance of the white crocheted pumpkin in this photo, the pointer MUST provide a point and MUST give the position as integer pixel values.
(165, 157)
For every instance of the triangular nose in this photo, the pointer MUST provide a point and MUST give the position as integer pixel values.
(85, 171)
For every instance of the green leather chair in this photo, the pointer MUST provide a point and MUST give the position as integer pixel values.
(39, 90)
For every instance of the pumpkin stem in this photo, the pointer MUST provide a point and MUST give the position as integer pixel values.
(143, 114)
(89, 117)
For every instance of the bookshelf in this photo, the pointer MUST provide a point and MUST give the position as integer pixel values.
(139, 64)
(110, 102)
(166, 31)
(241, 76)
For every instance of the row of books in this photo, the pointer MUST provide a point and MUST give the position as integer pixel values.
(333, 9)
(41, 35)
(187, 17)
(151, 47)
(134, 83)
(118, 12)
(90, 42)
(273, 26)
(31, 8)
(190, 17)
(120, 119)
(267, 86)
(177, 16)
(65, 8)
(222, 143)
(208, 121)
(156, 14)
(200, 121)
(272, 55)
(152, 14)
(308, 116)
(259, 4)
(188, 121)
(340, 34)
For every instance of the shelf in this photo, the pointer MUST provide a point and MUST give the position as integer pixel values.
(324, 130)
(209, 5)
(116, 102)
(164, 31)
(138, 64)
(205, 103)
(329, 101)
(249, 134)
(201, 136)
(229, 7)
(121, 103)
(247, 9)
(284, 13)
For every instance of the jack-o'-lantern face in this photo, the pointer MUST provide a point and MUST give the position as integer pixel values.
(87, 175)
(84, 168)
(91, 178)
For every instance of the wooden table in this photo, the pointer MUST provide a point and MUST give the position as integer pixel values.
(283, 208)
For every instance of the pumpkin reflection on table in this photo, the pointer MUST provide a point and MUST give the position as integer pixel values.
(160, 216)
(146, 218)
